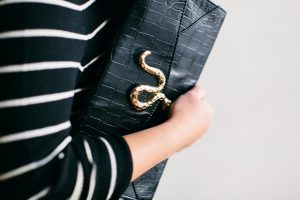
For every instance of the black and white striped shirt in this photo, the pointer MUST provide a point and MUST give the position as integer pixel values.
(49, 53)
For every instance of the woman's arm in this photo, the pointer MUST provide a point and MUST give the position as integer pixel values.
(150, 146)
(190, 117)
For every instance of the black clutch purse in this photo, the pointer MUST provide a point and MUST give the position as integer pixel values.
(157, 52)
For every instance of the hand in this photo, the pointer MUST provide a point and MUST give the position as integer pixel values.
(191, 116)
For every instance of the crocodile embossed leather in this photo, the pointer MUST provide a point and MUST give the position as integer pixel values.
(180, 35)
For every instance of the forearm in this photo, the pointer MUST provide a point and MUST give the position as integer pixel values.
(151, 146)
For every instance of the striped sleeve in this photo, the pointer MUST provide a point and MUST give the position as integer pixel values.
(49, 53)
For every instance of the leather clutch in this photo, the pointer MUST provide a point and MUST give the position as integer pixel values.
(156, 53)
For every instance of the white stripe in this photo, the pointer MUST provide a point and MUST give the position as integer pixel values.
(79, 183)
(61, 3)
(34, 133)
(51, 33)
(41, 194)
(129, 197)
(113, 163)
(92, 183)
(91, 62)
(93, 172)
(34, 165)
(38, 99)
(39, 66)
(88, 151)
(45, 66)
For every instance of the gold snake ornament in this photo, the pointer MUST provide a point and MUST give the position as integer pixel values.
(155, 91)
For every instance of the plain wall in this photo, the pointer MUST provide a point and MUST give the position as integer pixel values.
(252, 78)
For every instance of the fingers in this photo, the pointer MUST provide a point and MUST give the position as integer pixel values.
(199, 92)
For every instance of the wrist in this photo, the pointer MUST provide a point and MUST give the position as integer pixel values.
(177, 129)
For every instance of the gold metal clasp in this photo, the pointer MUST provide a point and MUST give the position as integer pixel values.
(155, 91)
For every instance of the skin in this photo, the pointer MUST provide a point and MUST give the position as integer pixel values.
(189, 118)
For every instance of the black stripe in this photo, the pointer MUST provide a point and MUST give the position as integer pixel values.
(19, 85)
(30, 183)
(28, 50)
(36, 116)
(40, 16)
(49, 143)
(39, 49)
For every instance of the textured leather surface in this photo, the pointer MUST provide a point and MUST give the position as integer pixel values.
(180, 34)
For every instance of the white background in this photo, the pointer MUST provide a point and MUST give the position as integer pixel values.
(252, 78)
